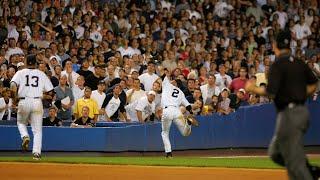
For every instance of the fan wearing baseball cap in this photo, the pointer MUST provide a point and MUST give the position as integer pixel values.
(142, 109)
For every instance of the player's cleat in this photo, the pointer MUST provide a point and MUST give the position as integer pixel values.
(169, 155)
(192, 121)
(36, 156)
(25, 143)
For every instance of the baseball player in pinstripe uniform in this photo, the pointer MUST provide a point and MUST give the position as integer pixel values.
(172, 98)
(29, 85)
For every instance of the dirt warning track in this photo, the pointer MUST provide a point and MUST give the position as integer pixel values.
(34, 171)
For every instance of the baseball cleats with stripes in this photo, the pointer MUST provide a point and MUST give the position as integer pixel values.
(36, 156)
(25, 143)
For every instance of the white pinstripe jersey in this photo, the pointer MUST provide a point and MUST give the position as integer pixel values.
(31, 83)
(172, 95)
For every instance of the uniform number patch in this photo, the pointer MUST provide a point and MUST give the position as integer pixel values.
(35, 81)
(175, 93)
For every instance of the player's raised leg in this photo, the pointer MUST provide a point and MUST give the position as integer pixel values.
(182, 125)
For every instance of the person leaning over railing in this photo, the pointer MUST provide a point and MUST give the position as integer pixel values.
(52, 119)
(84, 120)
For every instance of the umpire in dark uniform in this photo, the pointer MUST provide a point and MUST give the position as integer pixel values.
(290, 82)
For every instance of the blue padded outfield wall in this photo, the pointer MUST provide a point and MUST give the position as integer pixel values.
(248, 127)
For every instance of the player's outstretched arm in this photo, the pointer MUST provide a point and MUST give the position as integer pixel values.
(311, 89)
(251, 87)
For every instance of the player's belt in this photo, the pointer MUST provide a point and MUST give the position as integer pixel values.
(30, 97)
(293, 104)
(170, 106)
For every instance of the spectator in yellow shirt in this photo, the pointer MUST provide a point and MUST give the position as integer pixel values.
(90, 103)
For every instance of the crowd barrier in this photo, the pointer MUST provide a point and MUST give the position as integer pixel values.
(249, 127)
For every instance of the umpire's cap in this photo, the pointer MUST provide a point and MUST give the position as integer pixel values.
(31, 60)
(283, 39)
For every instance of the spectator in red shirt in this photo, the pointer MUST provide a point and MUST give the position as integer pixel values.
(239, 82)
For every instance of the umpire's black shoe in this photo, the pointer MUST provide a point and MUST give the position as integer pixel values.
(169, 155)
(315, 172)
(36, 156)
(25, 143)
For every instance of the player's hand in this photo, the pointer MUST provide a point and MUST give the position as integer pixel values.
(65, 106)
(250, 85)
(45, 96)
(192, 119)
(102, 111)
(167, 72)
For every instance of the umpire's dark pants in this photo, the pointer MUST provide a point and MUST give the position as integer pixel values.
(286, 148)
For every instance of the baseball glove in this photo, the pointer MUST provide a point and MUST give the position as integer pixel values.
(192, 120)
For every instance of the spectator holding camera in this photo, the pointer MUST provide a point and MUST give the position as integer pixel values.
(64, 99)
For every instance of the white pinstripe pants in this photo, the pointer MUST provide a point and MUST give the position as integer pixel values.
(174, 114)
(31, 109)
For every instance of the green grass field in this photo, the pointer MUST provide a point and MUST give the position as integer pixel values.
(237, 162)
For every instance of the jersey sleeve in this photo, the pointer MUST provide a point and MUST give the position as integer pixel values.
(47, 83)
(310, 76)
(16, 78)
(166, 82)
(184, 101)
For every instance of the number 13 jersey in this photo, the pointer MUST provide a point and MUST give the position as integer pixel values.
(172, 95)
(31, 83)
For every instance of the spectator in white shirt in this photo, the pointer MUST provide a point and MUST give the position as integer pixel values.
(136, 92)
(99, 95)
(282, 16)
(148, 78)
(135, 47)
(95, 35)
(78, 89)
(193, 12)
(222, 79)
(222, 9)
(142, 109)
(209, 89)
(71, 75)
(14, 32)
(302, 31)
(165, 4)
(13, 49)
(77, 28)
(125, 49)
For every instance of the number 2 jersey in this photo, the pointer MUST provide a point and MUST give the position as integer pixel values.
(31, 83)
(172, 95)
